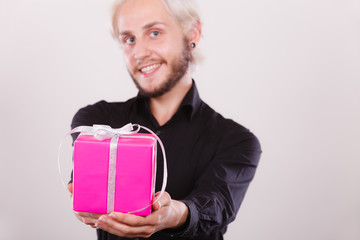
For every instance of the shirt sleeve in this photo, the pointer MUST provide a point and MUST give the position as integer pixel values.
(91, 114)
(219, 192)
(87, 116)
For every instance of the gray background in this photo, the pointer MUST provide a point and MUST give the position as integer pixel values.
(288, 70)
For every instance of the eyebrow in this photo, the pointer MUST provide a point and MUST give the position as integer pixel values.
(145, 27)
(150, 25)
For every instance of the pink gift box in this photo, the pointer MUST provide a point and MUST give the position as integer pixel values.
(134, 179)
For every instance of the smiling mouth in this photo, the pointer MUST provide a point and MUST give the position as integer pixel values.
(150, 68)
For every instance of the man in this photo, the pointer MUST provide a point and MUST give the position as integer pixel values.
(211, 160)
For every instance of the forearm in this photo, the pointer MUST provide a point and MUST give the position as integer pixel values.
(213, 207)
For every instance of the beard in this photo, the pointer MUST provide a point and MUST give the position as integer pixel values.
(178, 68)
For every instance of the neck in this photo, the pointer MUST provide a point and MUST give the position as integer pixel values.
(165, 106)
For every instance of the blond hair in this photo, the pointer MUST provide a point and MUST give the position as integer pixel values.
(183, 11)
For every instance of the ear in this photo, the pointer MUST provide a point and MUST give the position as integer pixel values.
(195, 33)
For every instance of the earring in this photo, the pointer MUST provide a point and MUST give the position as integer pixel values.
(192, 45)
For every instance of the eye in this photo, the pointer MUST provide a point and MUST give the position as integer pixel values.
(129, 40)
(154, 33)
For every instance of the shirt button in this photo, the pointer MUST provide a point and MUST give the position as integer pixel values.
(158, 132)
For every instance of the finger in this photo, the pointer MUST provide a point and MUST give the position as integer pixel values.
(77, 216)
(110, 225)
(164, 200)
(89, 215)
(88, 218)
(129, 219)
(70, 188)
(89, 221)
(154, 219)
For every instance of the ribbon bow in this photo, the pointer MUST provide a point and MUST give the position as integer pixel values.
(105, 132)
(102, 132)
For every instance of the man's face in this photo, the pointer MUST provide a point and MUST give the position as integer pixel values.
(156, 52)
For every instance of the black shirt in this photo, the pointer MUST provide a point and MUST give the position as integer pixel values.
(211, 160)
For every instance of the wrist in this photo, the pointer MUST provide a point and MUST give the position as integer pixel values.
(181, 213)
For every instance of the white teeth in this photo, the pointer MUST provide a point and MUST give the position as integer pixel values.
(150, 68)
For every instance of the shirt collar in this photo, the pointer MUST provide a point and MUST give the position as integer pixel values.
(189, 105)
(191, 101)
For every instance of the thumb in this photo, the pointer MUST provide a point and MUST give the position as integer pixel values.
(162, 202)
(70, 188)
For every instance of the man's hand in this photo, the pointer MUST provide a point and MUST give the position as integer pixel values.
(87, 218)
(167, 213)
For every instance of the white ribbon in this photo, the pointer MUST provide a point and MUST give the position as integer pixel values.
(102, 132)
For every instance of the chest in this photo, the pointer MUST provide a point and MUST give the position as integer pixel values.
(189, 152)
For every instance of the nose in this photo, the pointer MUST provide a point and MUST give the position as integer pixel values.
(141, 50)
